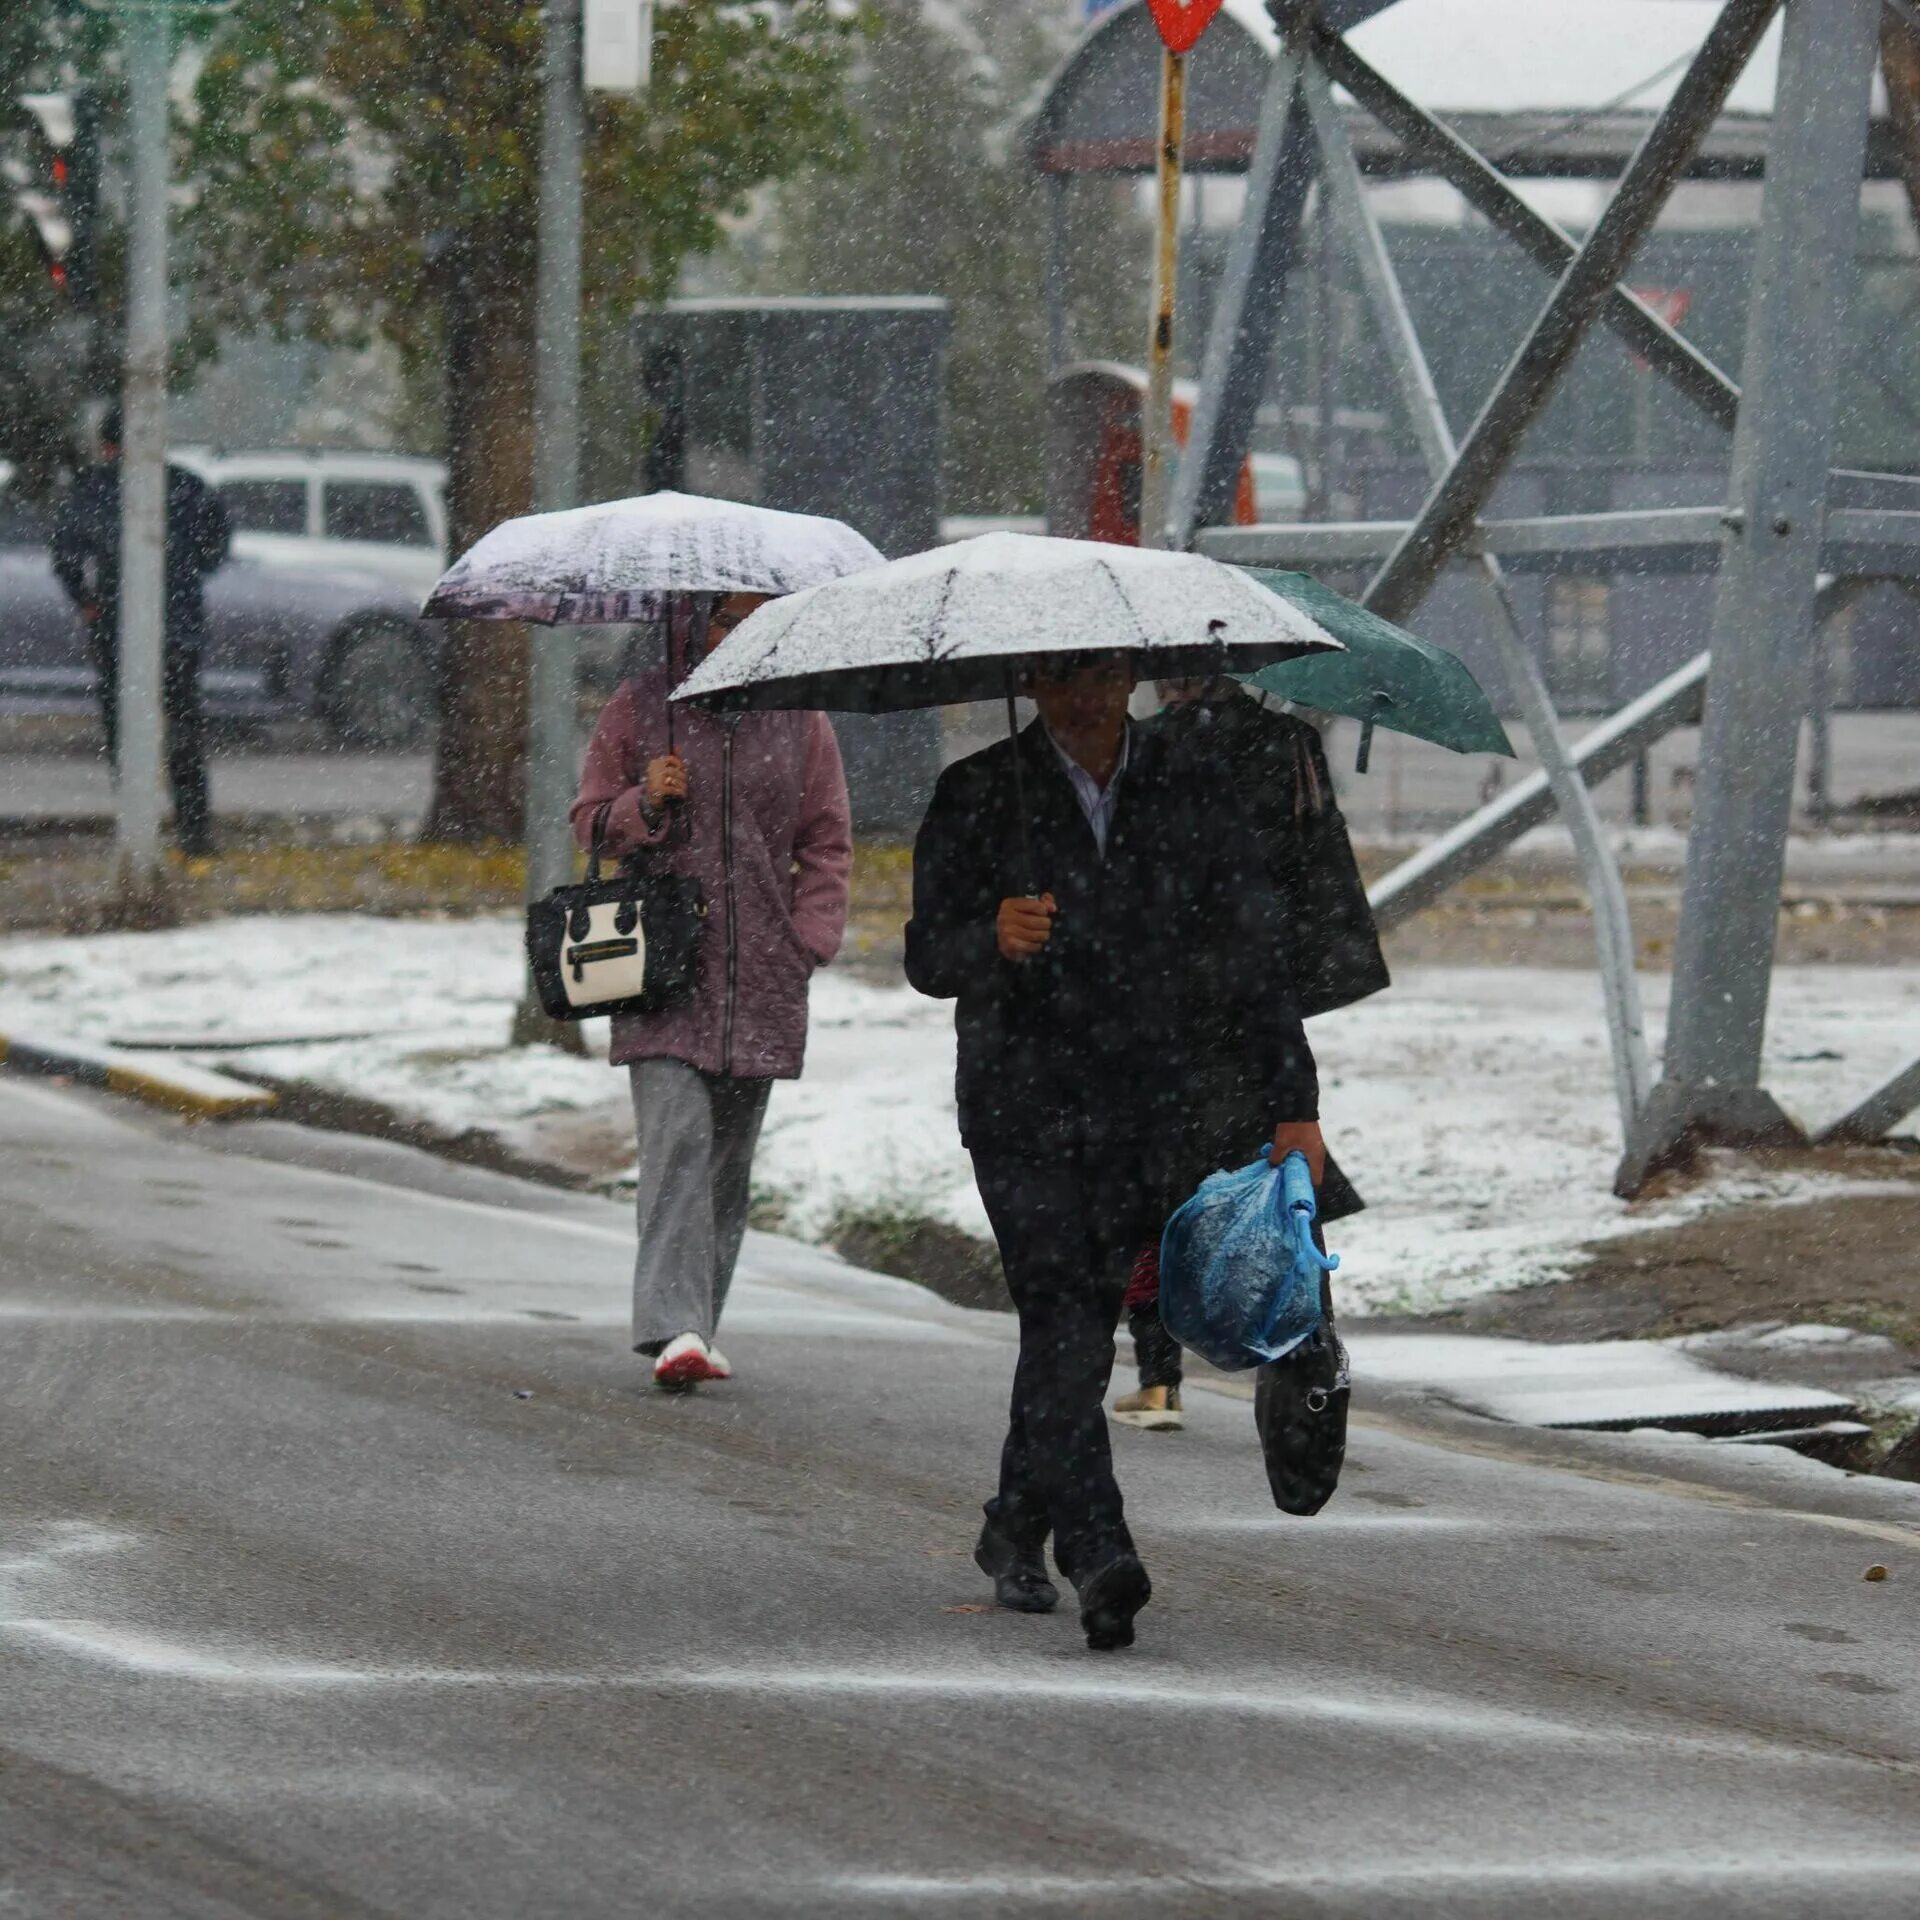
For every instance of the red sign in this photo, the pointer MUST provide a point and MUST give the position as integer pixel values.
(1182, 22)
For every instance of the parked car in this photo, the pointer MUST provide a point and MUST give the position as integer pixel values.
(316, 612)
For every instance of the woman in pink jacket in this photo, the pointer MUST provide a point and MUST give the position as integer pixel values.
(767, 835)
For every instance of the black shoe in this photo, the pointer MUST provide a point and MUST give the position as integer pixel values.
(1019, 1574)
(1109, 1598)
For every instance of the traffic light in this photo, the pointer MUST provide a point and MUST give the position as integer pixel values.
(57, 189)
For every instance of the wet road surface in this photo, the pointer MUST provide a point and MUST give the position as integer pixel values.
(347, 1569)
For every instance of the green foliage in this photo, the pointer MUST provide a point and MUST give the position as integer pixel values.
(352, 155)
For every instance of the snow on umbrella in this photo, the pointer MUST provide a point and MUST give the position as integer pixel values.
(612, 562)
(967, 621)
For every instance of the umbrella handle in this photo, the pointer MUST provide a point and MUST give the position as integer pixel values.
(700, 615)
(1381, 702)
(1020, 793)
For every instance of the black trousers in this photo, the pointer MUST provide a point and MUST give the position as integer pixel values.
(1155, 1351)
(1068, 1226)
(186, 729)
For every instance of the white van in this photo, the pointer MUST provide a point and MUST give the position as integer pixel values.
(383, 514)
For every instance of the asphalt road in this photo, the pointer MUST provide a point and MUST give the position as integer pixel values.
(305, 1611)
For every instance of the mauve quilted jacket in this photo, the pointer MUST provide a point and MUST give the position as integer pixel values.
(771, 845)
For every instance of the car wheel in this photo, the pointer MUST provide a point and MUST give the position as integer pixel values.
(380, 692)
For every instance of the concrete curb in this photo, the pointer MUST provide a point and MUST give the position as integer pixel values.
(160, 1082)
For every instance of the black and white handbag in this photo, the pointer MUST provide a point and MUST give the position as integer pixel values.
(629, 943)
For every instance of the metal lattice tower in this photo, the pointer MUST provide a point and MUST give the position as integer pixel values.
(1790, 543)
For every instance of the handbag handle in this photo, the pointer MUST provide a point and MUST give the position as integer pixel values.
(597, 841)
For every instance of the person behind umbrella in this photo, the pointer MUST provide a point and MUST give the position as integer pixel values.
(754, 806)
(1278, 768)
(1084, 944)
(86, 560)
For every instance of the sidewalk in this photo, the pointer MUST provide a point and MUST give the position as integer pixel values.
(1472, 1105)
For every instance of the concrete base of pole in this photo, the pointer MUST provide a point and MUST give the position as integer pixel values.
(534, 1026)
(1679, 1120)
(144, 901)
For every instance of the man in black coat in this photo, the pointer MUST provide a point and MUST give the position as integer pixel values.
(1085, 949)
(86, 557)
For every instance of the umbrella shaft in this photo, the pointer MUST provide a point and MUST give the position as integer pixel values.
(1030, 878)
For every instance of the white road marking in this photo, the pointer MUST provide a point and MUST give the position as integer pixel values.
(1012, 1686)
(1759, 1866)
(1328, 1522)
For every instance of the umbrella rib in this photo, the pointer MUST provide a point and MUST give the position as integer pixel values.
(1106, 567)
(932, 642)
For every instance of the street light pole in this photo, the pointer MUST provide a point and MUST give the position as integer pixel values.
(1156, 423)
(556, 476)
(142, 583)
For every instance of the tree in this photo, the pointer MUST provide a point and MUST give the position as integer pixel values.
(369, 167)
(931, 195)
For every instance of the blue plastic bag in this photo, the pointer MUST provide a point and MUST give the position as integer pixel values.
(1239, 1271)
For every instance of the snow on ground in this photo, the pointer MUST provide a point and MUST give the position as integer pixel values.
(1474, 1106)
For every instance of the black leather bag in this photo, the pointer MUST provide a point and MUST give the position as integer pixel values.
(629, 943)
(1300, 1411)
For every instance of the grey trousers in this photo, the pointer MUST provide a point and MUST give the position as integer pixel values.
(696, 1134)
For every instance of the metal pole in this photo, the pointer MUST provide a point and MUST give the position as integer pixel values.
(1156, 419)
(1831, 604)
(143, 455)
(1534, 371)
(1059, 258)
(1640, 806)
(1345, 204)
(1764, 606)
(1246, 310)
(1326, 363)
(1879, 1113)
(551, 693)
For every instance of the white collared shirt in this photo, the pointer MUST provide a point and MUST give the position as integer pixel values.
(1095, 802)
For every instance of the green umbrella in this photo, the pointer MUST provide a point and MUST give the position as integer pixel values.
(1387, 677)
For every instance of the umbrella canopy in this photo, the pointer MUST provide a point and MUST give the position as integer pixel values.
(1386, 677)
(966, 621)
(600, 565)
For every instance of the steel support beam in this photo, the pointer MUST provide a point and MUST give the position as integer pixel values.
(1762, 630)
(1246, 312)
(1353, 218)
(1423, 877)
(1860, 542)
(1878, 1114)
(1543, 356)
(1492, 195)
(1668, 539)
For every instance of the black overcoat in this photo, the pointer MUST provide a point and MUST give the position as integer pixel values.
(1165, 964)
(1280, 777)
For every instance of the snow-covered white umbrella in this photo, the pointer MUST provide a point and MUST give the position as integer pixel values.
(968, 621)
(613, 562)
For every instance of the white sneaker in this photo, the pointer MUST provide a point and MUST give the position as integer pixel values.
(688, 1362)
